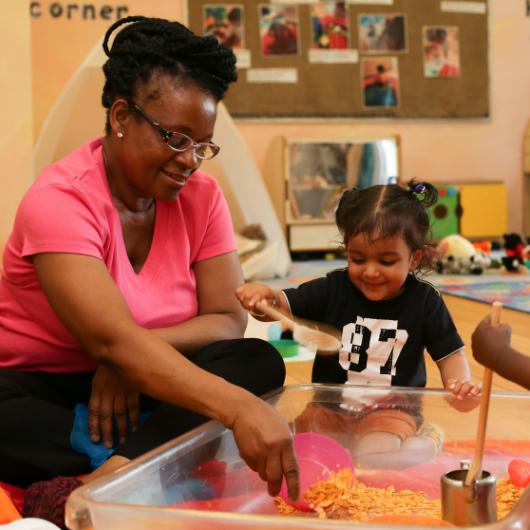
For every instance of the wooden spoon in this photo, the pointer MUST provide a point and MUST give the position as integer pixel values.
(475, 470)
(314, 339)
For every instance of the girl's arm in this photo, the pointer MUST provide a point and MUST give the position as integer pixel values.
(456, 375)
(249, 294)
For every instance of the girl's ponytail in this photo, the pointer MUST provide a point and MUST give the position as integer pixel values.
(424, 192)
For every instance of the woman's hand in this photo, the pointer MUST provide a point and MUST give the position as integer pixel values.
(265, 443)
(111, 398)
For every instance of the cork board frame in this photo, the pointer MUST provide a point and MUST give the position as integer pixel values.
(335, 90)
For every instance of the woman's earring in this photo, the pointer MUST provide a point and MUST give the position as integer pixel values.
(119, 134)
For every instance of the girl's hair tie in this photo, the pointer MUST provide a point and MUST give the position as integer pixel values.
(419, 189)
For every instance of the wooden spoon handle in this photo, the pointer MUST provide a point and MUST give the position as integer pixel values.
(496, 313)
(475, 469)
(275, 314)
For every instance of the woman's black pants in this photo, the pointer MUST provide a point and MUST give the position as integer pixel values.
(36, 411)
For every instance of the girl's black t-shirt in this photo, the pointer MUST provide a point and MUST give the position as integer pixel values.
(383, 342)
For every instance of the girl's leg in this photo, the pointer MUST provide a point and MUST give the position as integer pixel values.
(36, 419)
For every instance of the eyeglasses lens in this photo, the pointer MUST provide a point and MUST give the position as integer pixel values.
(179, 142)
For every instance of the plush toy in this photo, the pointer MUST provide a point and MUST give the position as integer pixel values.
(483, 246)
(457, 255)
(515, 252)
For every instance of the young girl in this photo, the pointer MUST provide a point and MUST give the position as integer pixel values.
(387, 315)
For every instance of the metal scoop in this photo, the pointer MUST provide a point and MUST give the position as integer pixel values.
(312, 338)
(468, 493)
(468, 505)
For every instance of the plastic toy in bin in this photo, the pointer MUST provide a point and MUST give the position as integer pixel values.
(319, 456)
(241, 499)
(282, 340)
(519, 471)
(286, 347)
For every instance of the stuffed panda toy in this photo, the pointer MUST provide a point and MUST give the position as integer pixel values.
(457, 255)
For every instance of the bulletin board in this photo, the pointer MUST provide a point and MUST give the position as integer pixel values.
(341, 62)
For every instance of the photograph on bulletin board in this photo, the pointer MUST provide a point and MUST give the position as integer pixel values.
(330, 26)
(380, 82)
(226, 22)
(383, 59)
(441, 51)
(279, 29)
(382, 33)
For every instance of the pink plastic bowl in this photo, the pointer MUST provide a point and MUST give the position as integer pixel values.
(318, 457)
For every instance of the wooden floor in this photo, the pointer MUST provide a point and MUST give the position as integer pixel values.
(466, 315)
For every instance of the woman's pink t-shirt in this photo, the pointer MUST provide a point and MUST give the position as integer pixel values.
(69, 209)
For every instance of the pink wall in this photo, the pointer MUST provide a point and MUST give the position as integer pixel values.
(456, 150)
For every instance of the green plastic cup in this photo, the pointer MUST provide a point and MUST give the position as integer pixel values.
(286, 347)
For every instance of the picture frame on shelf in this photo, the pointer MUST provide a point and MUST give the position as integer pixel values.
(318, 171)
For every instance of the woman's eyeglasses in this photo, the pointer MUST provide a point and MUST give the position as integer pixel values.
(180, 142)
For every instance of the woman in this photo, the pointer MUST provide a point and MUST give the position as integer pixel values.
(119, 278)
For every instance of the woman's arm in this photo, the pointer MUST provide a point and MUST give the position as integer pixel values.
(220, 316)
(88, 302)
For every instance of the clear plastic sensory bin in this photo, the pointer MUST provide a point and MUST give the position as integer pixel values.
(401, 442)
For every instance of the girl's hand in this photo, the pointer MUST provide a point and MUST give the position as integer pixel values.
(456, 376)
(111, 399)
(462, 389)
(464, 395)
(249, 294)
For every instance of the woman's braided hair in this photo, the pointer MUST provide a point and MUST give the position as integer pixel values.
(147, 45)
(383, 211)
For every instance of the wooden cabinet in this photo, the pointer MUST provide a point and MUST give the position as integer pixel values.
(306, 177)
(444, 215)
(484, 210)
(317, 172)
(475, 210)
(526, 181)
(313, 236)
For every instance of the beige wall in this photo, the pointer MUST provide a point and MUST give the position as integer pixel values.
(452, 150)
(16, 110)
(65, 42)
(489, 150)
